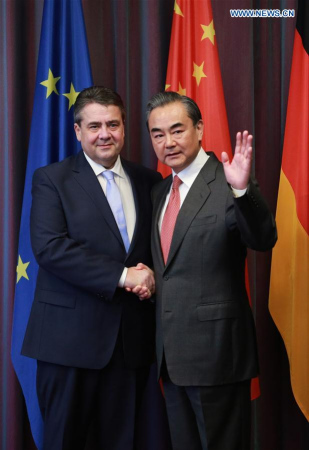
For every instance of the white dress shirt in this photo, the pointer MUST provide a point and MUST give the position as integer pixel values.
(125, 188)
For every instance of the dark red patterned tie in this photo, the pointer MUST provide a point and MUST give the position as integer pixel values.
(169, 219)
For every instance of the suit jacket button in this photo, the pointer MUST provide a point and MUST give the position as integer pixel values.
(166, 278)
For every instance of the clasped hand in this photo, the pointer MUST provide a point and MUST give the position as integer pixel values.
(237, 172)
(140, 281)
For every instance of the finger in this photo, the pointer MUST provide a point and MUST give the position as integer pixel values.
(138, 289)
(249, 142)
(145, 296)
(238, 142)
(244, 141)
(248, 151)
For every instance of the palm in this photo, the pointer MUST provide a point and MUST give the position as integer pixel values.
(237, 172)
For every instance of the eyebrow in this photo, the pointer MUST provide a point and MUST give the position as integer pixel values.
(175, 125)
(108, 123)
(113, 121)
(93, 123)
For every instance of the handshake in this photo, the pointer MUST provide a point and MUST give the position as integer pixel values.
(140, 280)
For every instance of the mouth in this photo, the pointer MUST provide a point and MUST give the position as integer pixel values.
(104, 146)
(172, 155)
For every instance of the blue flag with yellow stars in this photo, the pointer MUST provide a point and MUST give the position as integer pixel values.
(63, 71)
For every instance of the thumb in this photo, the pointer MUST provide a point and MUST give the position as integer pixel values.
(225, 158)
(141, 266)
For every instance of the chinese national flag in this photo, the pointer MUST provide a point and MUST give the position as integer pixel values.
(289, 283)
(194, 70)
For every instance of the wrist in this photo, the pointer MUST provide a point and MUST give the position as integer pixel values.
(238, 192)
(122, 280)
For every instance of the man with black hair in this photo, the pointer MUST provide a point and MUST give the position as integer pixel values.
(205, 216)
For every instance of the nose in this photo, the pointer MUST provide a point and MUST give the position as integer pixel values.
(169, 140)
(104, 133)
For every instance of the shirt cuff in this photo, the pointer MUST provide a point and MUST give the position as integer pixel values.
(238, 192)
(123, 277)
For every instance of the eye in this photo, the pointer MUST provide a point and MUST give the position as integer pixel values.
(177, 132)
(158, 136)
(114, 125)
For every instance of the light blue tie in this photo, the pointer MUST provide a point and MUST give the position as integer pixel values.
(114, 200)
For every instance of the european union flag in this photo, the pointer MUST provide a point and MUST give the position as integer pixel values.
(63, 71)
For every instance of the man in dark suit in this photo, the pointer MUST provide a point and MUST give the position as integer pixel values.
(90, 227)
(205, 215)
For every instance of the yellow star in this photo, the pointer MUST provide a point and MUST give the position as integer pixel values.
(21, 269)
(177, 9)
(181, 90)
(198, 72)
(167, 86)
(71, 96)
(209, 32)
(50, 83)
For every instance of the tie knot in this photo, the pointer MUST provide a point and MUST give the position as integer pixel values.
(108, 174)
(176, 182)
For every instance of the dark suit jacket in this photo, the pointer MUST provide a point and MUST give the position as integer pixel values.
(78, 309)
(204, 321)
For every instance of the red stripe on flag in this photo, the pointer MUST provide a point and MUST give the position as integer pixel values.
(295, 162)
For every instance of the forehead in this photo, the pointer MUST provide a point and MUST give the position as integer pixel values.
(100, 113)
(168, 115)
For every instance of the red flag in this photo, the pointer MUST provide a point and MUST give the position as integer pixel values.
(194, 70)
(289, 284)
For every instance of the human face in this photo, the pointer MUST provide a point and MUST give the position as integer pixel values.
(101, 133)
(174, 138)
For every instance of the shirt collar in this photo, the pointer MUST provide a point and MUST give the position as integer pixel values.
(98, 168)
(189, 174)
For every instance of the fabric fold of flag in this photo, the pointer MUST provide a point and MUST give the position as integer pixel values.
(289, 283)
(63, 70)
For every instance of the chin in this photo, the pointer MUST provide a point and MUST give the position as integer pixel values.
(176, 167)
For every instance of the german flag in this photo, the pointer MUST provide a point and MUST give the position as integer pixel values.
(289, 285)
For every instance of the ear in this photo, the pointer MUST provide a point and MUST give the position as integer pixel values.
(77, 131)
(200, 129)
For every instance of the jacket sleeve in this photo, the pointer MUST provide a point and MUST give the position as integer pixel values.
(254, 219)
(55, 251)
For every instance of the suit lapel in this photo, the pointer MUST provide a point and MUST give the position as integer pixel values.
(137, 193)
(86, 178)
(195, 199)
